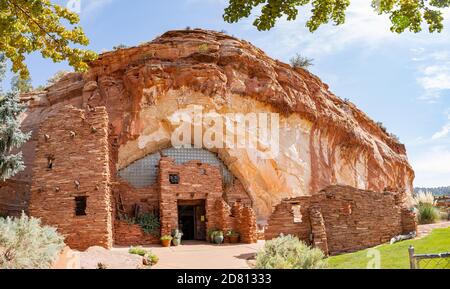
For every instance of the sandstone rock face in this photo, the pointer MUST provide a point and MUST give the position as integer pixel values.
(323, 139)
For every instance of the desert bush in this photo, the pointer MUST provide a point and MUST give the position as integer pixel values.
(445, 216)
(288, 252)
(137, 251)
(299, 61)
(150, 259)
(25, 244)
(149, 223)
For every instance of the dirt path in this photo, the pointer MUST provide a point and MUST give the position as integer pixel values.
(425, 230)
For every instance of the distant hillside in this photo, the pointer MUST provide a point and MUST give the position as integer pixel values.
(440, 191)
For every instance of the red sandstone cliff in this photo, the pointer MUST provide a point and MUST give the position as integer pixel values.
(324, 140)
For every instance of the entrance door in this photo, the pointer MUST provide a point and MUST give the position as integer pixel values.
(192, 219)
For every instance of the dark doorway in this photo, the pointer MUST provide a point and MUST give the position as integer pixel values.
(192, 219)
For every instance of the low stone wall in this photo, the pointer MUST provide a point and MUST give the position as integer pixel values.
(132, 235)
(238, 218)
(342, 219)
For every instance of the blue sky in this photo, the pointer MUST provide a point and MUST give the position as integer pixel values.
(400, 80)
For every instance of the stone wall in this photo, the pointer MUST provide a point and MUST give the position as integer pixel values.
(197, 181)
(14, 195)
(72, 161)
(132, 235)
(129, 199)
(237, 218)
(237, 193)
(342, 219)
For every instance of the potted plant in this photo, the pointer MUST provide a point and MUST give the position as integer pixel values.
(218, 237)
(177, 235)
(211, 233)
(233, 237)
(166, 240)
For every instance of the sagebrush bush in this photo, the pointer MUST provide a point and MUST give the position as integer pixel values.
(25, 244)
(288, 252)
(300, 61)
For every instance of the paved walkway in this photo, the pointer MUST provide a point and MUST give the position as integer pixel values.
(425, 230)
(201, 255)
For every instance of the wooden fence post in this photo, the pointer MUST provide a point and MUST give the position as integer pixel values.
(412, 258)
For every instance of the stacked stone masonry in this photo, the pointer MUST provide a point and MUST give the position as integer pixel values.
(72, 160)
(342, 219)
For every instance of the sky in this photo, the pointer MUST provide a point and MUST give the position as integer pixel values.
(402, 80)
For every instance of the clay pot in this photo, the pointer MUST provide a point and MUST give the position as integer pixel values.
(234, 239)
(166, 243)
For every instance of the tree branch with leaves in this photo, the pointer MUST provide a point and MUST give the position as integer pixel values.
(27, 26)
(404, 14)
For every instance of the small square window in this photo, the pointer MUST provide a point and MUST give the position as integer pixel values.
(174, 179)
(80, 206)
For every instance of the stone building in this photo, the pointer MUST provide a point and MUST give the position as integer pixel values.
(342, 219)
(101, 151)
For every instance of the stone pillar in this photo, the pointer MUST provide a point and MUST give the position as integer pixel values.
(409, 221)
(248, 228)
(318, 230)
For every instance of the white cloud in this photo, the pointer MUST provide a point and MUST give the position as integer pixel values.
(91, 7)
(363, 26)
(432, 166)
(435, 77)
(433, 73)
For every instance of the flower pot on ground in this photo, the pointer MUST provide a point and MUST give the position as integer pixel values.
(233, 237)
(166, 240)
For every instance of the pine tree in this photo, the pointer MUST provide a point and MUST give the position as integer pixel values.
(11, 137)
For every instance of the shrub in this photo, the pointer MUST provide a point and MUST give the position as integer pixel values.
(150, 259)
(149, 223)
(166, 238)
(301, 62)
(423, 197)
(25, 244)
(427, 213)
(137, 251)
(445, 216)
(288, 252)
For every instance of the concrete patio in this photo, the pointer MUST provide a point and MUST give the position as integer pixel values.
(201, 255)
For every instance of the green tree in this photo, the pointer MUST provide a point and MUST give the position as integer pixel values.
(404, 14)
(21, 85)
(57, 77)
(301, 61)
(11, 137)
(27, 26)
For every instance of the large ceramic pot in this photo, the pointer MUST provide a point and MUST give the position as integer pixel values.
(218, 239)
(176, 242)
